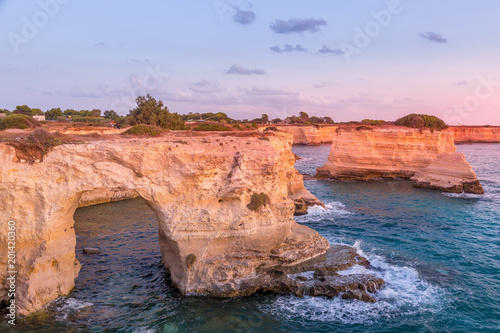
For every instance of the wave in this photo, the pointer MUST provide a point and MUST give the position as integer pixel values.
(405, 293)
(317, 214)
(64, 307)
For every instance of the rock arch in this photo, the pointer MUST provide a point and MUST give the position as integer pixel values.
(199, 188)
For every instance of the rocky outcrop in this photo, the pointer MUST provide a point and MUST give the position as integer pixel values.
(310, 135)
(386, 152)
(392, 152)
(223, 206)
(450, 173)
(476, 134)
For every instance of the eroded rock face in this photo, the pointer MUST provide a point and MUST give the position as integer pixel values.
(311, 135)
(383, 152)
(450, 173)
(200, 189)
(472, 134)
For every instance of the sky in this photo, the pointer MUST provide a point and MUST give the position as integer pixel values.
(349, 60)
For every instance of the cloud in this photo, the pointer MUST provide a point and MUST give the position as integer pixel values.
(244, 17)
(288, 48)
(206, 87)
(100, 44)
(461, 83)
(433, 37)
(327, 84)
(297, 25)
(239, 69)
(326, 50)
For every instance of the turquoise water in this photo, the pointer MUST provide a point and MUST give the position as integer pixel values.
(438, 253)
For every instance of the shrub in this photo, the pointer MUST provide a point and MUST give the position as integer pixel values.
(415, 121)
(254, 125)
(364, 128)
(258, 200)
(237, 126)
(272, 128)
(18, 121)
(210, 127)
(190, 260)
(36, 145)
(143, 130)
(372, 122)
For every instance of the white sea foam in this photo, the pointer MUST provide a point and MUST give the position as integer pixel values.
(405, 293)
(144, 330)
(330, 212)
(66, 306)
(463, 195)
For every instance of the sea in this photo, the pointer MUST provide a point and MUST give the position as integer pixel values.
(439, 254)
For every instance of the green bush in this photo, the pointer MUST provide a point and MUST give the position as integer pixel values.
(258, 200)
(210, 127)
(237, 126)
(254, 125)
(272, 128)
(420, 121)
(143, 130)
(18, 121)
(372, 122)
(364, 128)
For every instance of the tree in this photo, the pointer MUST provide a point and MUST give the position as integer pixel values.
(23, 109)
(95, 113)
(328, 120)
(304, 116)
(265, 118)
(5, 111)
(149, 111)
(36, 111)
(110, 114)
(276, 120)
(71, 112)
(53, 113)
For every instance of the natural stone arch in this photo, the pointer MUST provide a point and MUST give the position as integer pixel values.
(199, 188)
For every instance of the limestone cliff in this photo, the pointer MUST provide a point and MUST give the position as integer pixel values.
(449, 172)
(392, 152)
(310, 135)
(213, 237)
(473, 134)
(383, 152)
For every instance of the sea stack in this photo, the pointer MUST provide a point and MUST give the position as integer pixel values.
(429, 157)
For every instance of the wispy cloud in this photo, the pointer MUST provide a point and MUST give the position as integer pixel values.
(288, 48)
(461, 83)
(326, 50)
(206, 87)
(433, 37)
(239, 69)
(297, 25)
(244, 17)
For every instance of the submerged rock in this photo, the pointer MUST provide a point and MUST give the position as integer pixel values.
(319, 276)
(91, 250)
